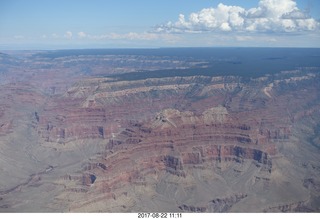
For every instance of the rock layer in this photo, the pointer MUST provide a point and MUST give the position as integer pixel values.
(172, 144)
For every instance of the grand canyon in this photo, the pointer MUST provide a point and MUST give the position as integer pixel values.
(160, 130)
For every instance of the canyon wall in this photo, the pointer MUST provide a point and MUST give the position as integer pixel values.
(104, 142)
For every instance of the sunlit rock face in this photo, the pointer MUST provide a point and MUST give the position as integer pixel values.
(183, 143)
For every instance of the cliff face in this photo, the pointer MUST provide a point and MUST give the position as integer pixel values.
(98, 108)
(178, 144)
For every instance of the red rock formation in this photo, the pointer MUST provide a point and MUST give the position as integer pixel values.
(164, 126)
(177, 141)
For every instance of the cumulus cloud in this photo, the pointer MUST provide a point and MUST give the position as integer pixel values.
(268, 16)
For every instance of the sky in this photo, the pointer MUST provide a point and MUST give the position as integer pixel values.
(71, 24)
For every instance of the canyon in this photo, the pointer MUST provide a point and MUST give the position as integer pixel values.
(104, 133)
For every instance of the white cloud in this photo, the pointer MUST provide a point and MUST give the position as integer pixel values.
(276, 8)
(225, 27)
(68, 35)
(268, 16)
(82, 35)
(295, 14)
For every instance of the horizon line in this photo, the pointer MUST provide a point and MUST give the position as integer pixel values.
(155, 48)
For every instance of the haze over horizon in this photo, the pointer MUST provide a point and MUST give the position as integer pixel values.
(81, 24)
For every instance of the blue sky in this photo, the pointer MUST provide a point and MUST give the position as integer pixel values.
(60, 24)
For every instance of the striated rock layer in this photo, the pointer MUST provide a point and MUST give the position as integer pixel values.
(170, 144)
(238, 145)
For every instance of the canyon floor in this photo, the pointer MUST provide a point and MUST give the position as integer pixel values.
(160, 130)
